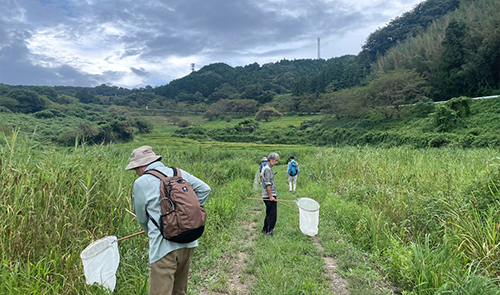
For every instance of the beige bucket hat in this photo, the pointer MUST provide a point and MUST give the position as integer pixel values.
(142, 156)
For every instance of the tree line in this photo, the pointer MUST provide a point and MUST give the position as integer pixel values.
(438, 50)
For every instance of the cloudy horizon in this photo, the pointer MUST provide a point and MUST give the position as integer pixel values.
(137, 43)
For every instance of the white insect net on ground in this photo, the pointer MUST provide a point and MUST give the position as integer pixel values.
(100, 262)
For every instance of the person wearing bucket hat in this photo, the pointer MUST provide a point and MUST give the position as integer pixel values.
(168, 261)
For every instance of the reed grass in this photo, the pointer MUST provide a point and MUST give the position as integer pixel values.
(409, 211)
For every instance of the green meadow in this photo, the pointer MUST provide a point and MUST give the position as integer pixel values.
(396, 220)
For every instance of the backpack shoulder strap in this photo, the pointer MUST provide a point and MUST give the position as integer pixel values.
(161, 177)
(177, 171)
(156, 173)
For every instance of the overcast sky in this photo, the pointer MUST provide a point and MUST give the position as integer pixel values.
(134, 43)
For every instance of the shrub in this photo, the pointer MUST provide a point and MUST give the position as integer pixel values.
(5, 129)
(460, 105)
(183, 123)
(4, 110)
(439, 141)
(424, 107)
(444, 118)
(50, 113)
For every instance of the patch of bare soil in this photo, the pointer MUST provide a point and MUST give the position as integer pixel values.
(338, 284)
(238, 282)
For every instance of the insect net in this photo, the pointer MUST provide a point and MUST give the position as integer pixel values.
(308, 216)
(100, 261)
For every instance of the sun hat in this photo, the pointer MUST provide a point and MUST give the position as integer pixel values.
(142, 156)
(264, 159)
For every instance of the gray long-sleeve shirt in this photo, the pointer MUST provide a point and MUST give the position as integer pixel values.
(268, 179)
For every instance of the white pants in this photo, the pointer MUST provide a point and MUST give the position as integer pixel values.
(292, 180)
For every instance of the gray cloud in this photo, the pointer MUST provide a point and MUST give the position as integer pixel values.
(140, 72)
(138, 36)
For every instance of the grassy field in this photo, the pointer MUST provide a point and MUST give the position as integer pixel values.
(163, 124)
(424, 221)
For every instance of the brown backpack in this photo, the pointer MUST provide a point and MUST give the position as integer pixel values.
(182, 217)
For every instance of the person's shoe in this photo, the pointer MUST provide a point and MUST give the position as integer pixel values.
(269, 235)
(290, 190)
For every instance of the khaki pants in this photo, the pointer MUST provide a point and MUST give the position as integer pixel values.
(169, 275)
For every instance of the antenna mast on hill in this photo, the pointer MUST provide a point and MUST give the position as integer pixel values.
(319, 56)
(192, 67)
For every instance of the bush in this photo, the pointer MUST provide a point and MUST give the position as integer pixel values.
(4, 110)
(50, 113)
(183, 123)
(460, 105)
(445, 119)
(5, 129)
(439, 141)
(424, 107)
(228, 119)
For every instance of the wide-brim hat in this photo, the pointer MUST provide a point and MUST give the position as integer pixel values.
(264, 159)
(141, 157)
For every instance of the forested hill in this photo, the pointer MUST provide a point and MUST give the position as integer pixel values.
(438, 50)
(220, 81)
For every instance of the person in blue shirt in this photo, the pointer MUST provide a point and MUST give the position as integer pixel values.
(293, 173)
(168, 261)
(262, 164)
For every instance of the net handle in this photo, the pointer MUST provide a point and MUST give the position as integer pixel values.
(133, 235)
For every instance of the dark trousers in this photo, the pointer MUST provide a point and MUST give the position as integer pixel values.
(271, 214)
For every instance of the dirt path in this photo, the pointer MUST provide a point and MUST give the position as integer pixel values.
(338, 284)
(239, 282)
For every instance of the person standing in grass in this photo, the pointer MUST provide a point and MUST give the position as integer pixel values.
(269, 194)
(262, 164)
(293, 173)
(168, 261)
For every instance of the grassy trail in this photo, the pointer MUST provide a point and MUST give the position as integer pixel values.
(290, 262)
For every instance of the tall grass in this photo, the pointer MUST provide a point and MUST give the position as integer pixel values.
(53, 203)
(413, 209)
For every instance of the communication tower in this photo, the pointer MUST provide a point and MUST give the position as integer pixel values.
(319, 56)
(192, 67)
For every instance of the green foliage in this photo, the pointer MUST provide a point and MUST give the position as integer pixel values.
(183, 123)
(447, 115)
(394, 89)
(458, 54)
(460, 105)
(49, 113)
(266, 112)
(27, 101)
(8, 104)
(444, 118)
(424, 107)
(84, 96)
(247, 126)
(406, 26)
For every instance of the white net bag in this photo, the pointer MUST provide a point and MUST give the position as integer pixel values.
(256, 182)
(100, 262)
(308, 216)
